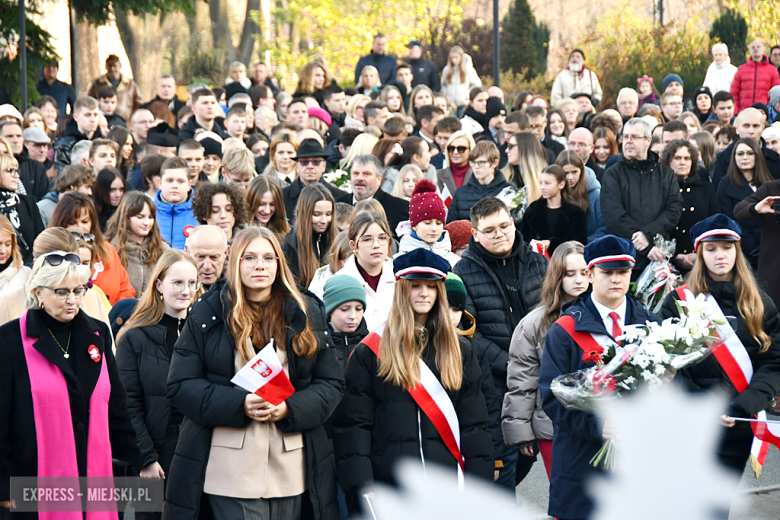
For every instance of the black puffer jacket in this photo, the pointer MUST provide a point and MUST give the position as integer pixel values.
(471, 193)
(501, 291)
(64, 145)
(199, 386)
(346, 342)
(640, 196)
(709, 375)
(143, 361)
(378, 423)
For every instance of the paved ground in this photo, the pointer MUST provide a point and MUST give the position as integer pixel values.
(760, 501)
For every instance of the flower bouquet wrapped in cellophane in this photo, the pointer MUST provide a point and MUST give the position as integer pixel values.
(643, 356)
(516, 200)
(659, 278)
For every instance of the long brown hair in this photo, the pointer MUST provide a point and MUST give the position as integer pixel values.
(533, 160)
(69, 209)
(401, 348)
(553, 297)
(282, 137)
(119, 228)
(242, 320)
(306, 76)
(16, 255)
(151, 308)
(461, 66)
(339, 252)
(308, 259)
(579, 193)
(259, 186)
(760, 171)
(746, 291)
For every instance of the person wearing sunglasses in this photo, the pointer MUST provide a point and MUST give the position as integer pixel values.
(143, 353)
(63, 408)
(457, 170)
(19, 208)
(50, 240)
(309, 166)
(283, 460)
(486, 181)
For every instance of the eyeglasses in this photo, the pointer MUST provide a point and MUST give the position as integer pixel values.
(55, 259)
(509, 146)
(252, 260)
(84, 237)
(479, 164)
(628, 137)
(13, 171)
(459, 149)
(63, 294)
(749, 153)
(313, 162)
(493, 232)
(193, 285)
(369, 241)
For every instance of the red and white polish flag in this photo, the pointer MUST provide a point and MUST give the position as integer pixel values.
(446, 197)
(265, 377)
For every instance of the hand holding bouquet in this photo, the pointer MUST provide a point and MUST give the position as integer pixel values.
(659, 278)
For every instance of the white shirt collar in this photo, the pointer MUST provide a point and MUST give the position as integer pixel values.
(604, 313)
(355, 201)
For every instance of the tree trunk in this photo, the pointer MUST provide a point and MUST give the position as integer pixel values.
(86, 64)
(221, 31)
(248, 35)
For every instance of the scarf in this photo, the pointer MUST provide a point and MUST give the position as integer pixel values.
(9, 201)
(54, 426)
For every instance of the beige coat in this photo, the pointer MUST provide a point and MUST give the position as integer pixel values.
(12, 306)
(522, 417)
(128, 94)
(13, 278)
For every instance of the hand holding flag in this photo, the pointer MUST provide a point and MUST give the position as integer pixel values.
(264, 376)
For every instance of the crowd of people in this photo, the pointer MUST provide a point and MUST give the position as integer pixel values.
(150, 249)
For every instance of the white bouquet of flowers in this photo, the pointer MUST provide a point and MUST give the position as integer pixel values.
(340, 179)
(516, 200)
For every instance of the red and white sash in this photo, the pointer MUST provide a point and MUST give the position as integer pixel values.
(585, 340)
(735, 361)
(433, 400)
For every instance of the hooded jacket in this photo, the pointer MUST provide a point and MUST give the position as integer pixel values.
(719, 77)
(752, 82)
(173, 219)
(457, 91)
(473, 122)
(442, 247)
(472, 192)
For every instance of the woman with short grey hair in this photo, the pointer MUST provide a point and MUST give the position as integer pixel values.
(60, 393)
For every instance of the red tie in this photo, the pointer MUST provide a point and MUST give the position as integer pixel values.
(616, 331)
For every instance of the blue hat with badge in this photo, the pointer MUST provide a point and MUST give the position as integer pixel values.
(420, 264)
(718, 227)
(610, 252)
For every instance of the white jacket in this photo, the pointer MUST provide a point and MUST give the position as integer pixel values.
(719, 77)
(457, 92)
(443, 247)
(377, 303)
(567, 83)
(470, 125)
(14, 278)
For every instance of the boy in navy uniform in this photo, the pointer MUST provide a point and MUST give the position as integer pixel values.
(600, 314)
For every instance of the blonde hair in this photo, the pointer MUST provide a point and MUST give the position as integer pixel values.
(746, 292)
(460, 134)
(239, 161)
(275, 142)
(241, 320)
(44, 274)
(368, 68)
(398, 187)
(370, 205)
(151, 307)
(16, 255)
(362, 145)
(8, 161)
(353, 103)
(403, 343)
(339, 252)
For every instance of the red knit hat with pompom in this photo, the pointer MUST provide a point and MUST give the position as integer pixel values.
(426, 203)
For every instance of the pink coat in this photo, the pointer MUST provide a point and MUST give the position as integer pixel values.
(752, 82)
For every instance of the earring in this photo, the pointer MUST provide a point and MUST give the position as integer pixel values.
(40, 304)
(161, 297)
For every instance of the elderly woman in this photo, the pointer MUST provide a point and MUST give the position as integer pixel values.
(720, 72)
(21, 210)
(60, 393)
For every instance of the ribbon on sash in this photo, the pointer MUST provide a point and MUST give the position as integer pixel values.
(433, 400)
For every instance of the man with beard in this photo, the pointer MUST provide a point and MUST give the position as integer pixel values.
(366, 180)
(576, 78)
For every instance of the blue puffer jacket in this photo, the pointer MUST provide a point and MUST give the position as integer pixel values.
(597, 228)
(173, 219)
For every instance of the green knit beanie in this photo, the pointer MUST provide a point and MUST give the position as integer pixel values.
(456, 291)
(342, 288)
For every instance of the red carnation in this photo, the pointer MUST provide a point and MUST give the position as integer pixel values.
(593, 355)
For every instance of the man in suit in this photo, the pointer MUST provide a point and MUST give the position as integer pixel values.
(310, 165)
(366, 181)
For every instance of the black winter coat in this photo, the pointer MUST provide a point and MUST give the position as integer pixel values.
(571, 224)
(189, 129)
(33, 176)
(397, 210)
(699, 201)
(30, 225)
(347, 342)
(320, 246)
(385, 64)
(425, 72)
(199, 387)
(291, 193)
(378, 423)
(724, 159)
(64, 145)
(19, 448)
(472, 192)
(577, 436)
(142, 357)
(729, 195)
(708, 375)
(486, 277)
(640, 196)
